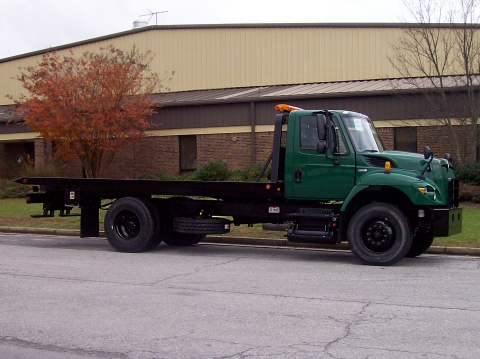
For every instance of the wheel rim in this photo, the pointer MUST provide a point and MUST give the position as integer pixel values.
(378, 235)
(127, 225)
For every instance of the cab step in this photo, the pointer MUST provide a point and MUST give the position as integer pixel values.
(304, 236)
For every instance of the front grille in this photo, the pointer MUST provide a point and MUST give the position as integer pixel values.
(453, 192)
(377, 161)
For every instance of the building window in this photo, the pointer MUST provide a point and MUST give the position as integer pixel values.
(188, 153)
(29, 151)
(405, 139)
(26, 155)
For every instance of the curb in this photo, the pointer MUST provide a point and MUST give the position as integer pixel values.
(457, 251)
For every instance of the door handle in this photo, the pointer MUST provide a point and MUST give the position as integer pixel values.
(298, 175)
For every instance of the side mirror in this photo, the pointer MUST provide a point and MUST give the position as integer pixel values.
(427, 152)
(321, 125)
(321, 147)
(448, 157)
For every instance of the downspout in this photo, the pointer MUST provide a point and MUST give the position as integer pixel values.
(252, 133)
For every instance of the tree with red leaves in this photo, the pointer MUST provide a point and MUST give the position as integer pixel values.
(89, 105)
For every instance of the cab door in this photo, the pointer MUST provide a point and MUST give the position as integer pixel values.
(323, 168)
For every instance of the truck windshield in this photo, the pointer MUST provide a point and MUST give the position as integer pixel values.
(362, 132)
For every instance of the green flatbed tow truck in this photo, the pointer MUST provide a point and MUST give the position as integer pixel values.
(331, 181)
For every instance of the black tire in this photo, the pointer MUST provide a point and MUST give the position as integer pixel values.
(201, 225)
(182, 239)
(160, 226)
(379, 234)
(422, 240)
(129, 225)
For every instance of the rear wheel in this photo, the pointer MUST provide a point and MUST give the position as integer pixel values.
(379, 234)
(421, 242)
(129, 225)
(160, 226)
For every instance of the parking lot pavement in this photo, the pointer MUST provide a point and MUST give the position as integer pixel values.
(76, 298)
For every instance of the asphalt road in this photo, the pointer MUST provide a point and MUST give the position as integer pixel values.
(71, 298)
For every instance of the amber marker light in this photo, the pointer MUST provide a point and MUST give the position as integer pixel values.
(388, 166)
(286, 108)
(267, 186)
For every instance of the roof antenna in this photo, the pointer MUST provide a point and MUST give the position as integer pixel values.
(151, 13)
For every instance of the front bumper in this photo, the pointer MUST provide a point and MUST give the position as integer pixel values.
(447, 222)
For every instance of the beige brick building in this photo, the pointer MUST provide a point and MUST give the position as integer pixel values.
(220, 103)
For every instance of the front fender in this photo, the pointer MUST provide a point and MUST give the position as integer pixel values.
(409, 185)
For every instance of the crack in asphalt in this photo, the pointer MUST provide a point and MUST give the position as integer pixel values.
(197, 270)
(241, 354)
(83, 280)
(361, 318)
(348, 329)
(340, 300)
(57, 349)
(419, 354)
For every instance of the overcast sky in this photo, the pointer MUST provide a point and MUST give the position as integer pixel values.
(30, 25)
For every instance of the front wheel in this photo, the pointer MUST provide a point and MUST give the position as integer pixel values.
(421, 242)
(379, 234)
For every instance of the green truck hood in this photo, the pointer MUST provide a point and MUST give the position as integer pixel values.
(406, 164)
(406, 161)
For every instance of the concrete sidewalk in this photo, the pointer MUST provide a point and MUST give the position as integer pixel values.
(463, 251)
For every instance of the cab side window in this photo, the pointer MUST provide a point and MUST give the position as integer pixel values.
(340, 146)
(308, 133)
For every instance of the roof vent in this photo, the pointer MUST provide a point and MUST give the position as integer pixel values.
(139, 23)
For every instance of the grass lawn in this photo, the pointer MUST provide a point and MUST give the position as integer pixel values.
(16, 213)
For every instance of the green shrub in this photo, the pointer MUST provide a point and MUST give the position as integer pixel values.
(469, 173)
(157, 176)
(252, 171)
(10, 189)
(162, 176)
(50, 167)
(469, 193)
(215, 170)
(189, 176)
(236, 176)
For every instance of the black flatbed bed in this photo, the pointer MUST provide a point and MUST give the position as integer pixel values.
(107, 188)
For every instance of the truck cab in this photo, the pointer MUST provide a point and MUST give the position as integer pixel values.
(337, 158)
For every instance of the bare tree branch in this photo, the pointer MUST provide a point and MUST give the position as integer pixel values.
(439, 54)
